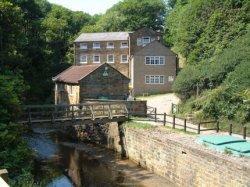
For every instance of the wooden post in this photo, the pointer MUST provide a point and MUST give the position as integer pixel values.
(244, 132)
(199, 128)
(67, 111)
(92, 112)
(230, 129)
(72, 113)
(185, 125)
(29, 116)
(155, 115)
(110, 112)
(217, 126)
(52, 117)
(173, 121)
(164, 119)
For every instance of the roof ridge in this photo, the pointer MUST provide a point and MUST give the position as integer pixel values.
(97, 66)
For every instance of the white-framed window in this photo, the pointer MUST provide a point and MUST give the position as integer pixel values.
(154, 60)
(83, 46)
(124, 44)
(110, 58)
(110, 45)
(96, 58)
(154, 79)
(145, 40)
(83, 59)
(96, 45)
(124, 58)
(170, 78)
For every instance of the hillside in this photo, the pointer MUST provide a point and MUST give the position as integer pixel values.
(214, 38)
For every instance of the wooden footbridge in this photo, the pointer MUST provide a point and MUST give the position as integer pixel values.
(91, 112)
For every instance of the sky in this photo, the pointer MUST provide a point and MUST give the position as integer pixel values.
(89, 6)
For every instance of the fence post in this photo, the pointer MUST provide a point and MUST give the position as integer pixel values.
(173, 121)
(199, 128)
(164, 119)
(217, 126)
(230, 129)
(185, 125)
(244, 132)
(155, 114)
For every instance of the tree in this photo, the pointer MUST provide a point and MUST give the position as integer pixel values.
(200, 29)
(130, 15)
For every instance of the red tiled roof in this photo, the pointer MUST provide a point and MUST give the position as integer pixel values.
(75, 73)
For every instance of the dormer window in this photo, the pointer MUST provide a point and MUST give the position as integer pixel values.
(110, 45)
(124, 44)
(83, 46)
(96, 45)
(145, 40)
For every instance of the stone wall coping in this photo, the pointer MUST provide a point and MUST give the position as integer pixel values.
(187, 142)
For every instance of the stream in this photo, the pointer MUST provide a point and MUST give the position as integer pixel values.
(61, 162)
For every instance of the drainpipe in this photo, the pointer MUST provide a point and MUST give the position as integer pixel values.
(74, 46)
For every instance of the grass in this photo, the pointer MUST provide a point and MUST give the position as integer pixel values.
(228, 152)
(179, 130)
(138, 125)
(147, 126)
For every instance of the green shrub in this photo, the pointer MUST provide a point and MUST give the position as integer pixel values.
(214, 71)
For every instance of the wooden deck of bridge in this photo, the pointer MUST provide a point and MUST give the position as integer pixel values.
(86, 112)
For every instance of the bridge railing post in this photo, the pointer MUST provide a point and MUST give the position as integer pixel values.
(52, 117)
(92, 112)
(72, 112)
(110, 111)
(29, 116)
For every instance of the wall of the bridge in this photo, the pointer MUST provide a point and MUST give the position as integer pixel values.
(100, 133)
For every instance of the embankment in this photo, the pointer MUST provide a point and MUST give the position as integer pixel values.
(179, 158)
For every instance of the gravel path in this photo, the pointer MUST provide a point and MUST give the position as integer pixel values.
(162, 102)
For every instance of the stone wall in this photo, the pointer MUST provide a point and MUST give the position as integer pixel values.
(180, 162)
(113, 85)
(66, 93)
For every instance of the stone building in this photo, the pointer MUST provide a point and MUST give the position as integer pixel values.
(153, 71)
(139, 55)
(110, 47)
(93, 81)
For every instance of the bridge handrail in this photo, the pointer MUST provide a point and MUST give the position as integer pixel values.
(91, 110)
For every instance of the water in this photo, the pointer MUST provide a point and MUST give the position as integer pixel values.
(64, 163)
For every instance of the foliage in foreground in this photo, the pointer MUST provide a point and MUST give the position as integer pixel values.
(15, 156)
